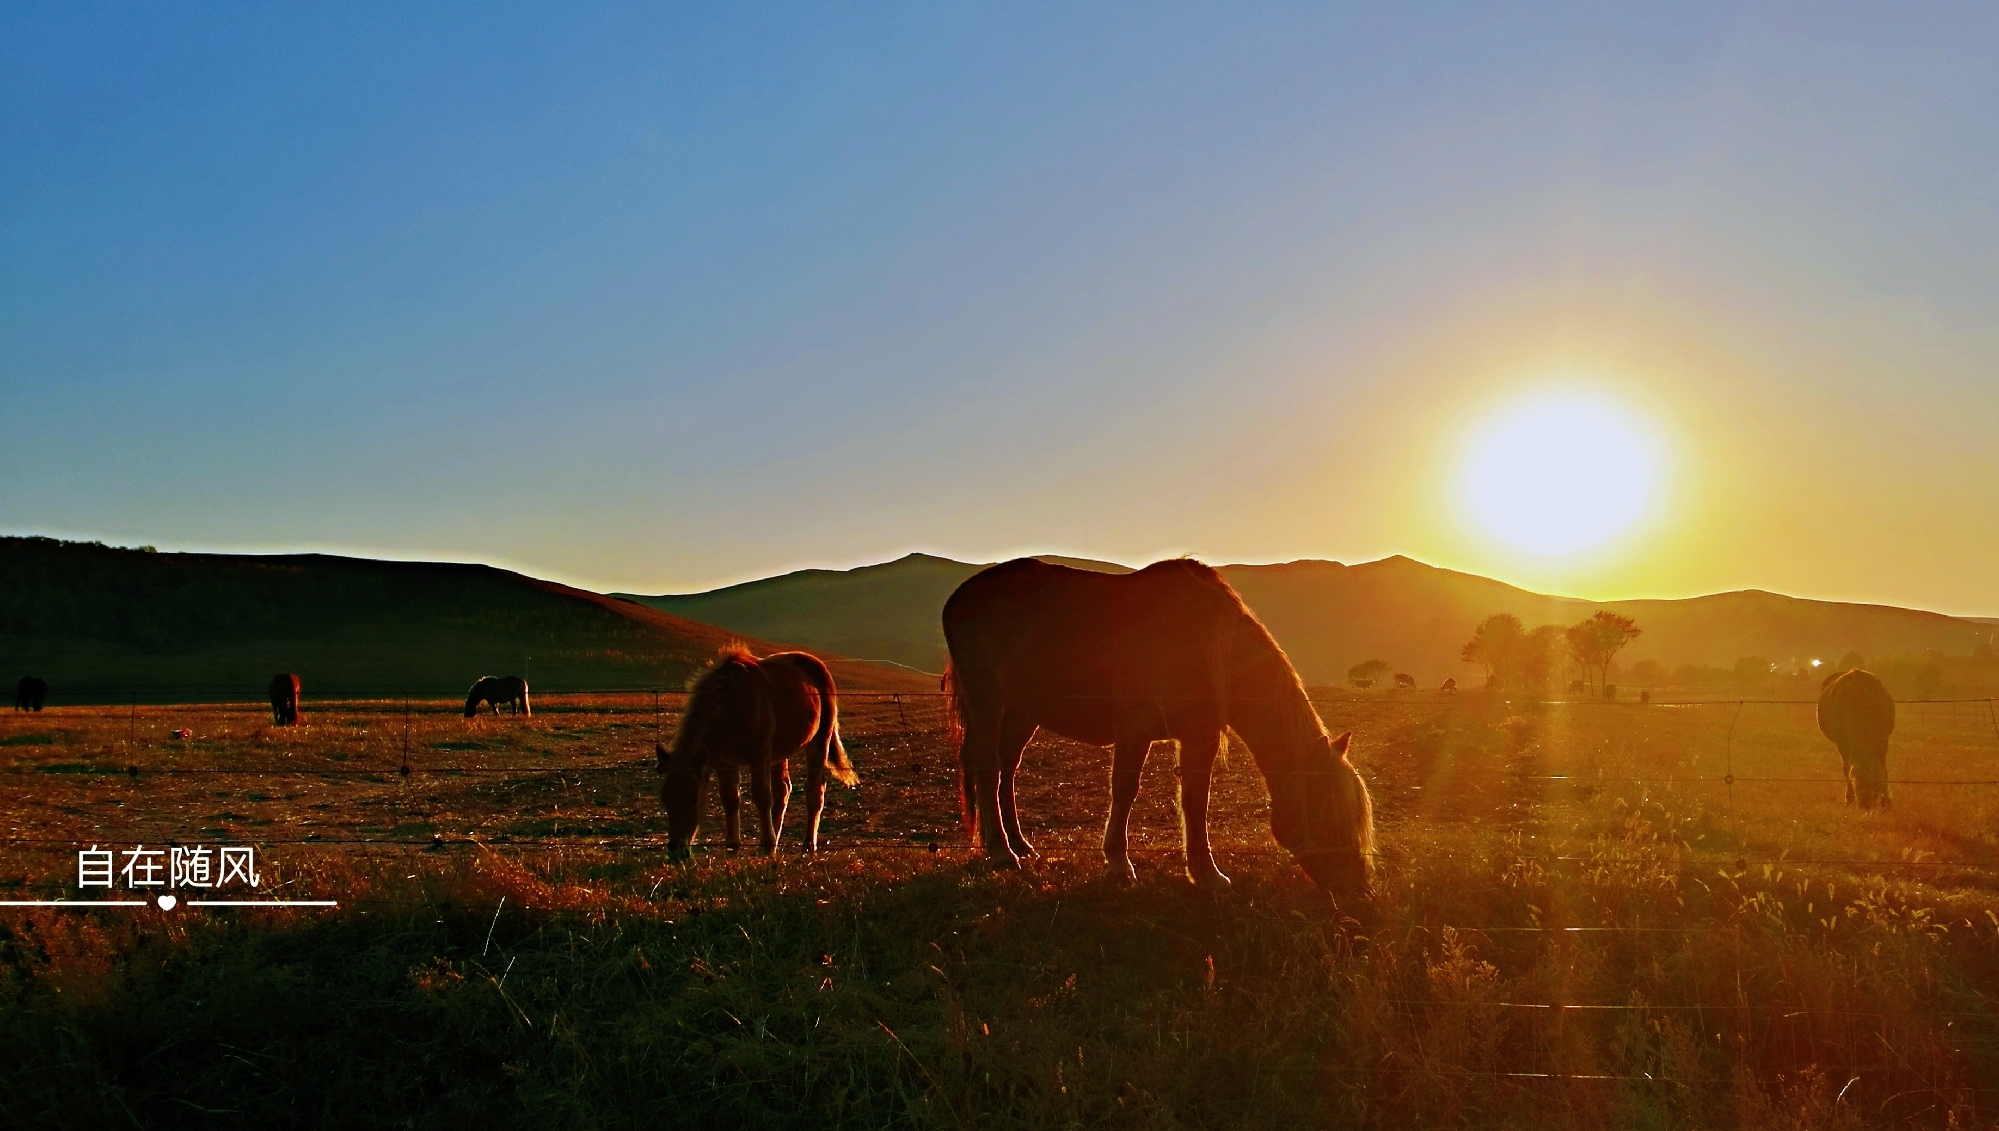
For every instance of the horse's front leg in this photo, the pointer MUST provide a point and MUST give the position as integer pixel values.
(728, 783)
(1197, 770)
(1126, 765)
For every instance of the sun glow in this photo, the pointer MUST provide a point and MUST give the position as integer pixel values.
(1559, 474)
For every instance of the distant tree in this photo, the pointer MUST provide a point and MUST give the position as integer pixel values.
(1647, 673)
(1595, 641)
(1929, 680)
(1752, 670)
(1365, 673)
(1538, 665)
(1494, 646)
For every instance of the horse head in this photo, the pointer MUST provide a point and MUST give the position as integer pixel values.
(1321, 813)
(1869, 766)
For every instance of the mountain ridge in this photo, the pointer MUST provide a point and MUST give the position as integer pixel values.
(103, 622)
(1330, 615)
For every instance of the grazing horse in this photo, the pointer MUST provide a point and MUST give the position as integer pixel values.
(1167, 652)
(753, 714)
(284, 700)
(1450, 687)
(1857, 713)
(31, 693)
(1404, 679)
(497, 689)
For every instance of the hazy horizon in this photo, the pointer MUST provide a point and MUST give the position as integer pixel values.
(660, 301)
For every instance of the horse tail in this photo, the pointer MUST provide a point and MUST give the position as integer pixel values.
(954, 733)
(832, 753)
(954, 720)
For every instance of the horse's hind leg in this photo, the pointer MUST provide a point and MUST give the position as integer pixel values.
(760, 796)
(1013, 739)
(728, 782)
(780, 792)
(1126, 765)
(815, 803)
(1197, 769)
(979, 773)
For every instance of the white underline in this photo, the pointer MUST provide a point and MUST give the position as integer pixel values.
(75, 903)
(261, 903)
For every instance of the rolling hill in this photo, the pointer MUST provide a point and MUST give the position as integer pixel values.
(883, 612)
(102, 623)
(1329, 616)
(1418, 617)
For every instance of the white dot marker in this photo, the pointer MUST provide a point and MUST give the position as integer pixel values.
(167, 902)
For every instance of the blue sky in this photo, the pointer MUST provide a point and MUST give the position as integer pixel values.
(659, 298)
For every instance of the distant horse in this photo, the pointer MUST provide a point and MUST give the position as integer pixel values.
(1450, 687)
(1167, 652)
(1404, 679)
(284, 700)
(31, 693)
(753, 714)
(1857, 713)
(497, 689)
(1363, 684)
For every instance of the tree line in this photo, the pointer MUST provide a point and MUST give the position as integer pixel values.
(1518, 658)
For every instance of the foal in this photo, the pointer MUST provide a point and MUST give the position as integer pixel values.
(751, 714)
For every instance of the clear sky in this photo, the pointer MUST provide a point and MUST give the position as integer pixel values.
(665, 297)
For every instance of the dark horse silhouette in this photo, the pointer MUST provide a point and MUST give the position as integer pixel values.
(31, 693)
(497, 689)
(1858, 714)
(1168, 652)
(754, 714)
(284, 699)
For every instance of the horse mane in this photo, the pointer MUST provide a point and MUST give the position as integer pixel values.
(1197, 569)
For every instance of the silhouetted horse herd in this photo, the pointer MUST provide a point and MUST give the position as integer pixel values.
(1165, 653)
(32, 692)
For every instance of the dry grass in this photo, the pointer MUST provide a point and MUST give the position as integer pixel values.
(1777, 960)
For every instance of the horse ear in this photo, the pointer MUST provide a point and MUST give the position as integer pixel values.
(1340, 744)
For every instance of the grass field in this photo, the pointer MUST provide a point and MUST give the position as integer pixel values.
(1578, 924)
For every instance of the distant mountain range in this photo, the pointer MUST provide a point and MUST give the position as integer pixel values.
(1330, 616)
(101, 623)
(104, 623)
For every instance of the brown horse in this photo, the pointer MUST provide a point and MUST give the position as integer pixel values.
(753, 714)
(497, 689)
(31, 693)
(1858, 714)
(1168, 652)
(284, 700)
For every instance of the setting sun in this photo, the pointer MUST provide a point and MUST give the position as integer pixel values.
(1559, 473)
